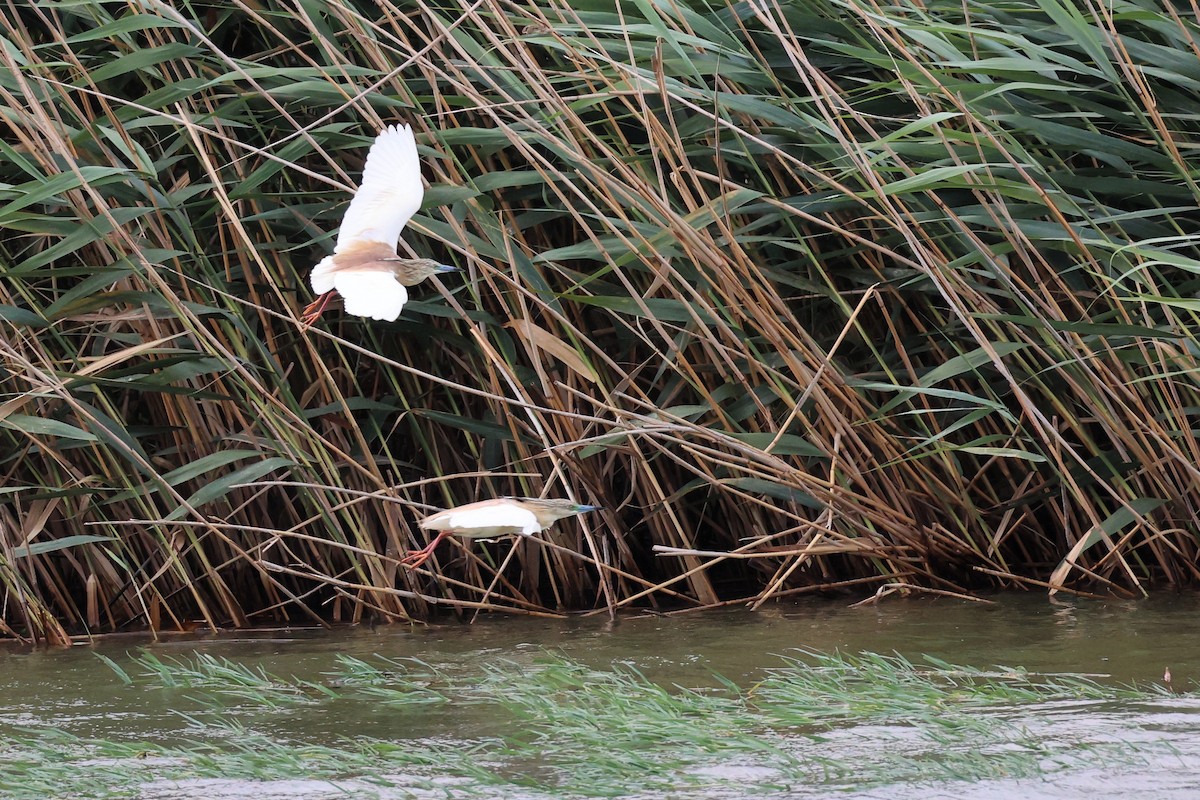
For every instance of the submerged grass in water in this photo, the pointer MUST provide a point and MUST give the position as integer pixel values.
(556, 728)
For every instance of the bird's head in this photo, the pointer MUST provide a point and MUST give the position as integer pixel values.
(411, 271)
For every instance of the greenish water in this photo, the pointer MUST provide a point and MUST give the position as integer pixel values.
(780, 702)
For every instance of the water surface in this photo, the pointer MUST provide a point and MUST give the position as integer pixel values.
(1148, 743)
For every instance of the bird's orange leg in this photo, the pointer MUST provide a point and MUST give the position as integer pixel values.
(415, 558)
(316, 307)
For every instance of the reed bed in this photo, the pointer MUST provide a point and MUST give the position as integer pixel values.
(808, 296)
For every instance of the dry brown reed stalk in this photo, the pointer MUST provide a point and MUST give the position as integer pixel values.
(808, 297)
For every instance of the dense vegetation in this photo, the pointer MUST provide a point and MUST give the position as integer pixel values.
(871, 297)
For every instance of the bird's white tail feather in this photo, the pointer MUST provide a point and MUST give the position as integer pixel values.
(322, 276)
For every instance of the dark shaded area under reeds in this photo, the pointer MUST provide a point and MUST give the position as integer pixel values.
(871, 296)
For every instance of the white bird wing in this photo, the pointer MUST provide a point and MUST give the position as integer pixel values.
(496, 520)
(377, 295)
(390, 193)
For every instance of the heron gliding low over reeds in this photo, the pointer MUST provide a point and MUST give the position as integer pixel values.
(364, 267)
(487, 519)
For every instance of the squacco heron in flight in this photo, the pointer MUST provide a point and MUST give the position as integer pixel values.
(364, 268)
(487, 519)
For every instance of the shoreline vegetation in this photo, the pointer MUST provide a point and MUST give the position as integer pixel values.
(872, 298)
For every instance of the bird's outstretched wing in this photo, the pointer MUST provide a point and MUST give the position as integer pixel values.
(375, 295)
(495, 518)
(390, 192)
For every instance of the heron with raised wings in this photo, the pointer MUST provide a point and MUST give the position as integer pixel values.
(364, 268)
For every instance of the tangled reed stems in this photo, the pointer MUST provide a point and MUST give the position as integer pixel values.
(864, 295)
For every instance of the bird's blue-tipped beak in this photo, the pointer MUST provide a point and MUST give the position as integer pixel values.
(446, 268)
(582, 509)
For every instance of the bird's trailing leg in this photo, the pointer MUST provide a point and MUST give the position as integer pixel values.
(315, 308)
(415, 558)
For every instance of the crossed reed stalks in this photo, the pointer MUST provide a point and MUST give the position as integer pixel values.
(808, 296)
